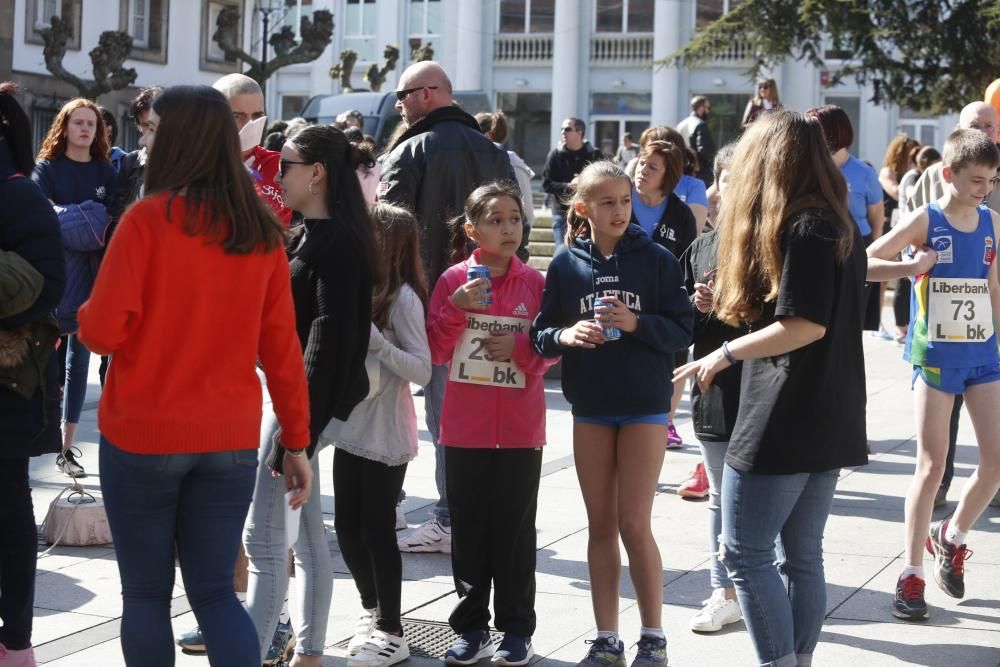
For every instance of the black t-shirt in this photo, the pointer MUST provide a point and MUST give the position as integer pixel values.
(805, 411)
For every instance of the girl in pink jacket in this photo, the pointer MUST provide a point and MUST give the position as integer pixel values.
(492, 425)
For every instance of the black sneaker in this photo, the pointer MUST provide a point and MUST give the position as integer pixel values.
(949, 560)
(67, 464)
(652, 652)
(604, 652)
(514, 651)
(470, 648)
(909, 604)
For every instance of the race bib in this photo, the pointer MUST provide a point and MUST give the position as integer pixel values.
(469, 363)
(959, 310)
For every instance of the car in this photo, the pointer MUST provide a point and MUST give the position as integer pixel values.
(379, 110)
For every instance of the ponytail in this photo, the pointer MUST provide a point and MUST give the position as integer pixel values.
(15, 128)
(461, 245)
(577, 226)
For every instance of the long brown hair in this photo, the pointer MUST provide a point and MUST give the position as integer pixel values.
(398, 238)
(770, 83)
(784, 167)
(461, 245)
(220, 200)
(897, 155)
(55, 141)
(595, 173)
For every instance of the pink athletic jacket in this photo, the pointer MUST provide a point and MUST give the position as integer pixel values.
(481, 415)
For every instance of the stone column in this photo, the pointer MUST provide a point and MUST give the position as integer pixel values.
(668, 101)
(471, 38)
(566, 66)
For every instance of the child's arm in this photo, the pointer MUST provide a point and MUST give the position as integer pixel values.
(667, 327)
(994, 280)
(446, 315)
(412, 359)
(911, 231)
(524, 354)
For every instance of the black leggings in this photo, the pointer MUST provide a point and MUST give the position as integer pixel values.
(901, 302)
(365, 494)
(18, 554)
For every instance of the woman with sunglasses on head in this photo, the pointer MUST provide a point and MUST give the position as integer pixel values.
(765, 99)
(331, 267)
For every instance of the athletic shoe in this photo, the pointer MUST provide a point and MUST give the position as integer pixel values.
(652, 652)
(400, 519)
(910, 604)
(696, 486)
(949, 560)
(717, 612)
(940, 497)
(282, 644)
(21, 658)
(429, 537)
(192, 641)
(514, 651)
(674, 440)
(881, 334)
(470, 648)
(362, 631)
(381, 650)
(604, 652)
(67, 464)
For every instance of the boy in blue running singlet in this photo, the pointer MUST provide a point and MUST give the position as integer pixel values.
(953, 348)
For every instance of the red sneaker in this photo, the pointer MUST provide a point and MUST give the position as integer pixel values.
(697, 485)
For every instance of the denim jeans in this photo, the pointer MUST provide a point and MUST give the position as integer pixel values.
(194, 505)
(264, 538)
(77, 370)
(559, 229)
(433, 404)
(714, 454)
(784, 621)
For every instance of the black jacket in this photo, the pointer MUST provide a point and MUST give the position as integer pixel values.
(131, 176)
(432, 169)
(704, 147)
(561, 166)
(677, 229)
(28, 226)
(713, 413)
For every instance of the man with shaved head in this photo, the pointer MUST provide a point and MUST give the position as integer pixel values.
(246, 99)
(431, 170)
(931, 187)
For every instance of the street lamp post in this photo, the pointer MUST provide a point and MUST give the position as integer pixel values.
(266, 8)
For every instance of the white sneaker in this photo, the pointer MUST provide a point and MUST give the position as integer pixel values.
(717, 612)
(401, 519)
(362, 631)
(429, 537)
(381, 650)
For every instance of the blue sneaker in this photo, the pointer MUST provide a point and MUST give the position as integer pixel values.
(652, 652)
(470, 648)
(514, 651)
(282, 644)
(604, 652)
(192, 641)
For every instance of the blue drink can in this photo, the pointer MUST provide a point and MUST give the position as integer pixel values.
(480, 271)
(610, 333)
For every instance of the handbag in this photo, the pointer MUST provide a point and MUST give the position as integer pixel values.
(76, 520)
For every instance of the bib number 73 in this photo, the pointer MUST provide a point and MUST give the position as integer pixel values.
(959, 310)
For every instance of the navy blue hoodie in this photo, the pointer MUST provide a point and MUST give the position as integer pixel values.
(629, 376)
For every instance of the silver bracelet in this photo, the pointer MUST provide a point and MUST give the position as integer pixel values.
(727, 354)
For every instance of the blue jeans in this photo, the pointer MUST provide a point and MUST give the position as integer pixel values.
(784, 623)
(77, 370)
(433, 404)
(194, 504)
(714, 454)
(559, 229)
(264, 537)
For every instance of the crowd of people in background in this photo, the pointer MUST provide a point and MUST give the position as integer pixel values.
(301, 283)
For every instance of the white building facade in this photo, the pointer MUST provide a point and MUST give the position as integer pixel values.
(538, 60)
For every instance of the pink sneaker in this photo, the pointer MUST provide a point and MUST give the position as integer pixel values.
(12, 658)
(674, 440)
(697, 485)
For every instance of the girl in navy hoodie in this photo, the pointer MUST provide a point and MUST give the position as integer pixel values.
(618, 435)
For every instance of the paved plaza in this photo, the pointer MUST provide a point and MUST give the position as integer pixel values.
(78, 601)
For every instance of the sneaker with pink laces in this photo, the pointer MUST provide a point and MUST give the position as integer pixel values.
(21, 658)
(674, 440)
(696, 486)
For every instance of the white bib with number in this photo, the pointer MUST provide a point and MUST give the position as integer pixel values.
(959, 310)
(469, 363)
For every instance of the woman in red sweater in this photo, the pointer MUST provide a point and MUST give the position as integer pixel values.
(194, 289)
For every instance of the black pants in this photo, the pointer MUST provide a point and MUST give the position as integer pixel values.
(949, 466)
(365, 494)
(493, 498)
(901, 302)
(872, 318)
(18, 554)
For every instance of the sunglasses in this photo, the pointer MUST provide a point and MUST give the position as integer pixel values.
(283, 166)
(401, 94)
(567, 129)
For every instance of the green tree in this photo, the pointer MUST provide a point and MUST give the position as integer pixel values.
(113, 48)
(343, 69)
(315, 37)
(928, 55)
(376, 75)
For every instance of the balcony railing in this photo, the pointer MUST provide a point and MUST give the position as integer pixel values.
(737, 51)
(522, 49)
(615, 50)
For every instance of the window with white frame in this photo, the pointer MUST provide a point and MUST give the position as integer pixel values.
(44, 11)
(213, 58)
(138, 22)
(359, 28)
(38, 15)
(707, 11)
(919, 125)
(616, 16)
(425, 18)
(146, 22)
(295, 11)
(527, 16)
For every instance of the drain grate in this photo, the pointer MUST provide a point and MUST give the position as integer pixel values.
(427, 639)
